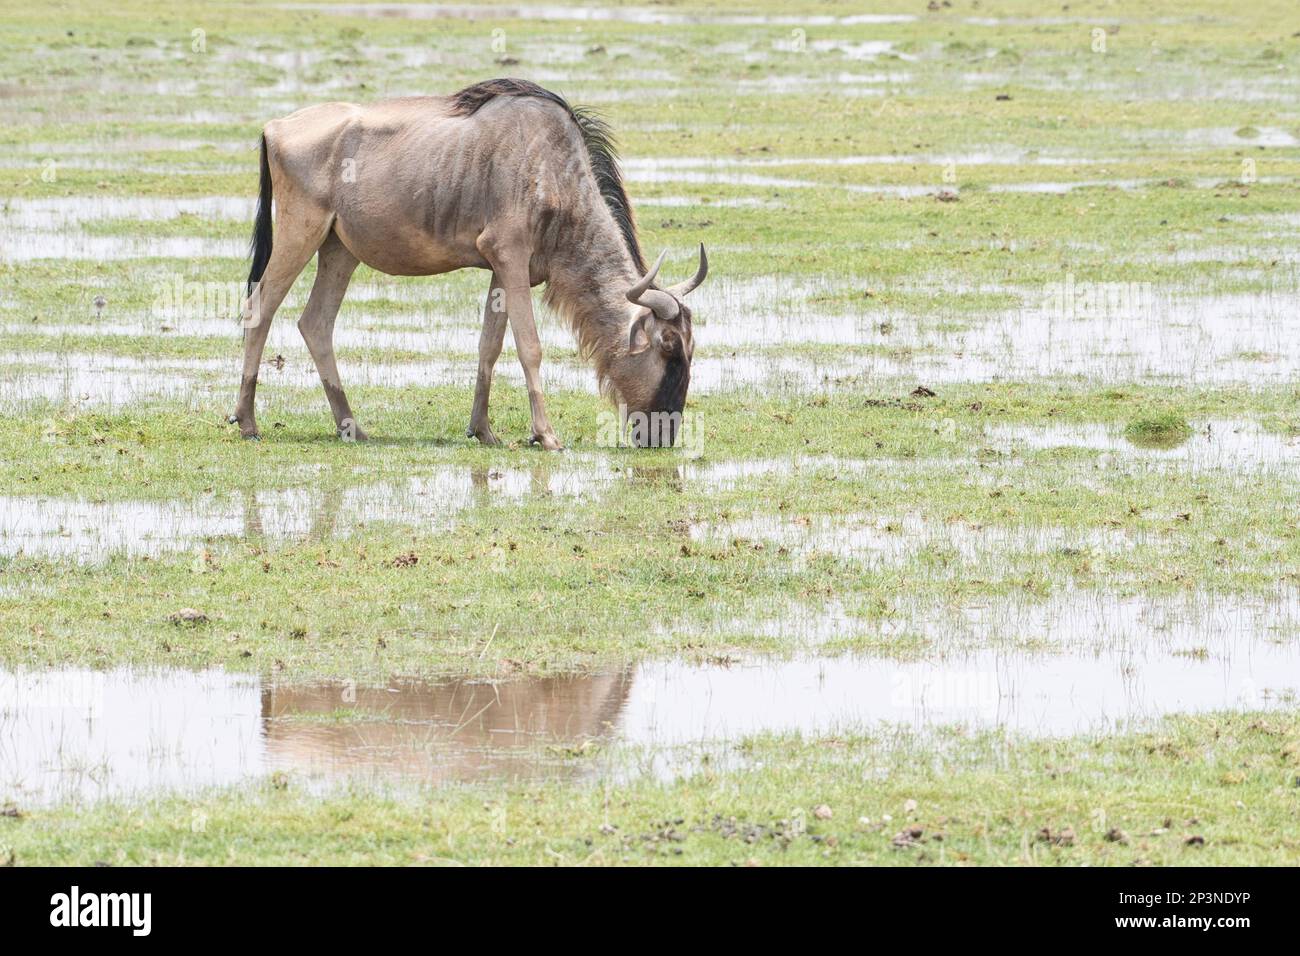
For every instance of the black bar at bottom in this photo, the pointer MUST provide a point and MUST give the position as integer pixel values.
(339, 905)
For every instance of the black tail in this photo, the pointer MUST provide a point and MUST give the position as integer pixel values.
(260, 247)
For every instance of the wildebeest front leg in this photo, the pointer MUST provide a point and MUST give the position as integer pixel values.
(509, 257)
(334, 268)
(519, 306)
(489, 350)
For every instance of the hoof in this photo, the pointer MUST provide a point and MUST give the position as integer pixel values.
(232, 419)
(548, 442)
(253, 437)
(349, 430)
(484, 435)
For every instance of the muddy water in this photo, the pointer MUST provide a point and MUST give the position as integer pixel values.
(84, 734)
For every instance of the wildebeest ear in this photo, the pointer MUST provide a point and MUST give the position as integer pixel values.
(638, 335)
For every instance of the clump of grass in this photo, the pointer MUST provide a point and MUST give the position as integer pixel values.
(1158, 431)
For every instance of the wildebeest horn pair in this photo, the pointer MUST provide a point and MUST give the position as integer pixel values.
(664, 304)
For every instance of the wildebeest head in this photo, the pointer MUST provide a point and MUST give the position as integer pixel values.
(651, 378)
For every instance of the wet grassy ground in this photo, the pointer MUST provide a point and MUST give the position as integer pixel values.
(897, 421)
(1156, 798)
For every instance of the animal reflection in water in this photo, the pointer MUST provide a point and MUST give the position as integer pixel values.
(457, 730)
(333, 508)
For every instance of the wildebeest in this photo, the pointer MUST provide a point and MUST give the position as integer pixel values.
(504, 175)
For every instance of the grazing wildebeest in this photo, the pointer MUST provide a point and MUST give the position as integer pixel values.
(503, 175)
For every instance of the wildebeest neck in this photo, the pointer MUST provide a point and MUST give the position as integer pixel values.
(589, 273)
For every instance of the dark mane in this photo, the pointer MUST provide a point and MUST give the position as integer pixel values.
(595, 133)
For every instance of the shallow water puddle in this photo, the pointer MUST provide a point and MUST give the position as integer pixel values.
(1056, 333)
(46, 244)
(1125, 184)
(34, 229)
(986, 156)
(1219, 136)
(443, 316)
(1169, 84)
(714, 476)
(1215, 444)
(93, 531)
(77, 733)
(60, 212)
(412, 335)
(876, 541)
(112, 380)
(716, 177)
(441, 11)
(131, 145)
(1073, 623)
(697, 202)
(843, 84)
(1153, 337)
(93, 380)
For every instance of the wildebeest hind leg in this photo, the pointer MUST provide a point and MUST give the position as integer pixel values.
(334, 268)
(299, 232)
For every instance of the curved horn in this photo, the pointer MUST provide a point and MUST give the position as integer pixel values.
(634, 293)
(662, 304)
(681, 289)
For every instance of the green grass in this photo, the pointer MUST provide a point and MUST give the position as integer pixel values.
(566, 586)
(1167, 430)
(1217, 790)
(814, 185)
